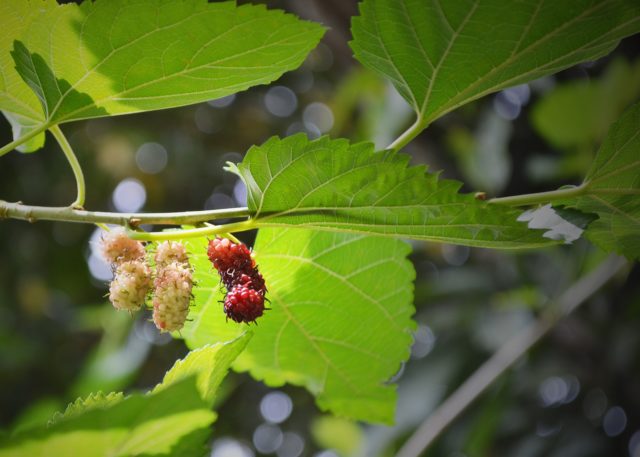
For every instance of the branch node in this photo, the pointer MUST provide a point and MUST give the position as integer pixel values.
(134, 222)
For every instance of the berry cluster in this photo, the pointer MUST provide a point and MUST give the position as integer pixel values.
(133, 279)
(244, 301)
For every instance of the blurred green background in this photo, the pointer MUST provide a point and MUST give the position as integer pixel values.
(576, 394)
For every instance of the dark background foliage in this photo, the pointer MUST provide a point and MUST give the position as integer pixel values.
(575, 394)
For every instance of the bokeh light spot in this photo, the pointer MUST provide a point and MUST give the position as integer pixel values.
(276, 407)
(129, 196)
(267, 438)
(615, 421)
(151, 158)
(319, 115)
(280, 101)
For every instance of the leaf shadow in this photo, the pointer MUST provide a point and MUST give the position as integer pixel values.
(56, 95)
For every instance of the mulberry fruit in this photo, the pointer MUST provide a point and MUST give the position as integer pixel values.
(117, 247)
(244, 304)
(170, 251)
(172, 296)
(244, 301)
(130, 285)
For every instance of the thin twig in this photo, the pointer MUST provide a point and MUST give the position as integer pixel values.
(506, 356)
(68, 214)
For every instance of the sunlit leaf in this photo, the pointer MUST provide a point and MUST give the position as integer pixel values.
(339, 322)
(140, 424)
(209, 364)
(111, 57)
(92, 401)
(18, 102)
(333, 185)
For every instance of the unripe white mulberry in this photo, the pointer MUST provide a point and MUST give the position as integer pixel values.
(117, 247)
(170, 251)
(130, 285)
(172, 296)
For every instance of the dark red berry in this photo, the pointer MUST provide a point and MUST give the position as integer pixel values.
(227, 255)
(246, 288)
(244, 304)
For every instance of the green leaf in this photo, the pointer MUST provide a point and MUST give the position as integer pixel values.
(140, 424)
(115, 57)
(440, 55)
(579, 113)
(18, 102)
(332, 185)
(612, 189)
(339, 320)
(92, 401)
(209, 363)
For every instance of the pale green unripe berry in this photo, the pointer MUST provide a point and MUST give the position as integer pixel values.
(172, 296)
(130, 285)
(117, 247)
(170, 251)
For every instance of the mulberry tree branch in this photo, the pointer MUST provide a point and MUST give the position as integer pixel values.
(69, 214)
(506, 356)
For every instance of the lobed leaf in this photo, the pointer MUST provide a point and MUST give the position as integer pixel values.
(109, 57)
(440, 55)
(339, 322)
(331, 185)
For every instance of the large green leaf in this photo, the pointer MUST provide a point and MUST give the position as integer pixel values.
(109, 57)
(612, 188)
(339, 322)
(140, 424)
(443, 54)
(332, 185)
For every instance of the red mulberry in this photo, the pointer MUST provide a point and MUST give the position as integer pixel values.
(244, 301)
(244, 304)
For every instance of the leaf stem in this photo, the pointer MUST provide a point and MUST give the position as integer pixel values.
(228, 235)
(75, 165)
(68, 214)
(23, 139)
(413, 131)
(540, 197)
(506, 356)
(210, 230)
